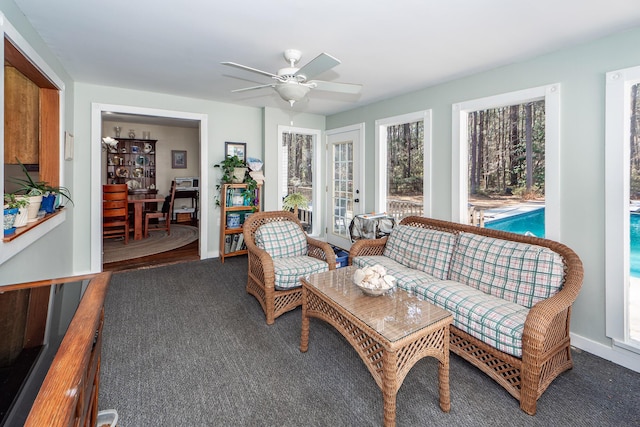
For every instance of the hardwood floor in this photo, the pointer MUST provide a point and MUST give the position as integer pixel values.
(183, 254)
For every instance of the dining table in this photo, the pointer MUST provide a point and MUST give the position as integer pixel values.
(138, 201)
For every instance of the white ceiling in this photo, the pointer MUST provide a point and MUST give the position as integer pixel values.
(390, 47)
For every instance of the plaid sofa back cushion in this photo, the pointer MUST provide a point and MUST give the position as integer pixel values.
(281, 239)
(517, 272)
(423, 249)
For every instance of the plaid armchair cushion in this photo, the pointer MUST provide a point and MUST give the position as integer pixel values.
(289, 270)
(492, 320)
(423, 249)
(281, 239)
(406, 278)
(517, 272)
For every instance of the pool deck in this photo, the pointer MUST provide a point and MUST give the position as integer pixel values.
(507, 211)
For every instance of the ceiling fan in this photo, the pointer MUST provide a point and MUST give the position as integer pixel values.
(293, 84)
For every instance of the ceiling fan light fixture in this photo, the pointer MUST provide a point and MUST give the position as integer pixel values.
(292, 92)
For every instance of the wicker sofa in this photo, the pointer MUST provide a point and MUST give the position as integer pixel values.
(510, 295)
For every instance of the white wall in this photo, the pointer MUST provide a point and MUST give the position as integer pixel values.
(581, 73)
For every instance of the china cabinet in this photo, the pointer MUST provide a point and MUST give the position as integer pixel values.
(133, 162)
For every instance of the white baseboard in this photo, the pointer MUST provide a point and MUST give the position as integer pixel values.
(614, 354)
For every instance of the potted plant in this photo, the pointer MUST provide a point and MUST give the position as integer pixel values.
(14, 201)
(37, 190)
(233, 169)
(294, 201)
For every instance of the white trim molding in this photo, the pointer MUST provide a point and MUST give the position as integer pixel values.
(381, 158)
(617, 221)
(96, 178)
(459, 155)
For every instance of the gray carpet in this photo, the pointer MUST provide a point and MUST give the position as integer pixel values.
(184, 345)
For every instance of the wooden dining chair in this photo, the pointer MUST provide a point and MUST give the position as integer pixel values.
(164, 218)
(115, 211)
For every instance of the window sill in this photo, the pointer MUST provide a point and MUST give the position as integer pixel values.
(25, 236)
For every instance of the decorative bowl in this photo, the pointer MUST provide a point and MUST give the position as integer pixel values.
(373, 292)
(374, 280)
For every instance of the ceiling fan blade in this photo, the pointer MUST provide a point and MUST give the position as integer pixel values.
(318, 65)
(349, 88)
(254, 70)
(253, 87)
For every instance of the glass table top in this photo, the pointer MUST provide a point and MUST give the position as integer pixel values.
(393, 315)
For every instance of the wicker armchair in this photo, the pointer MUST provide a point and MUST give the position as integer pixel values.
(265, 276)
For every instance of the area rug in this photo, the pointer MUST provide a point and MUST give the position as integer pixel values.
(114, 250)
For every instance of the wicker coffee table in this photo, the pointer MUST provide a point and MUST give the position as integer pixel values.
(390, 332)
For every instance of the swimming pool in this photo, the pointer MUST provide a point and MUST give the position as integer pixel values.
(529, 223)
(533, 223)
(634, 254)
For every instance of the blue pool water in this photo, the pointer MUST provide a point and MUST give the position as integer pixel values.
(634, 254)
(530, 223)
(533, 223)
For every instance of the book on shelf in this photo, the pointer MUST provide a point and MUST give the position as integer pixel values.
(234, 242)
(227, 243)
(240, 244)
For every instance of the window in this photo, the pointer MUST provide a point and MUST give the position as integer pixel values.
(506, 185)
(299, 158)
(404, 147)
(622, 203)
(500, 165)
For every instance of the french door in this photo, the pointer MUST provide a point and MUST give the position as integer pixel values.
(344, 192)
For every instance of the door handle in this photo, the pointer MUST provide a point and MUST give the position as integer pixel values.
(356, 200)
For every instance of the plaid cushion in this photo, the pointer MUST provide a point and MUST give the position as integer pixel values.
(289, 270)
(517, 272)
(407, 278)
(281, 239)
(423, 249)
(492, 320)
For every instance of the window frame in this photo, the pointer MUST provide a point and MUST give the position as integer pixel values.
(381, 126)
(317, 171)
(617, 221)
(9, 249)
(460, 156)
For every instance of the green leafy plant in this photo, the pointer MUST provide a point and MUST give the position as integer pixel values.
(294, 201)
(15, 201)
(228, 166)
(30, 187)
(250, 191)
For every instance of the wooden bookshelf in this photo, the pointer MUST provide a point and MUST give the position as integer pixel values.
(233, 203)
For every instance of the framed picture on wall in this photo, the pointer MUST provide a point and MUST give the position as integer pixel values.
(178, 159)
(236, 149)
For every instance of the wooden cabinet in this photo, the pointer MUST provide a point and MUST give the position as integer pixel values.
(22, 118)
(233, 213)
(133, 162)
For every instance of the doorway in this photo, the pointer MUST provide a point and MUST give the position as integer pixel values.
(99, 165)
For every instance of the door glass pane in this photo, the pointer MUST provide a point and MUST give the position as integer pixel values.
(342, 188)
(297, 154)
(405, 169)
